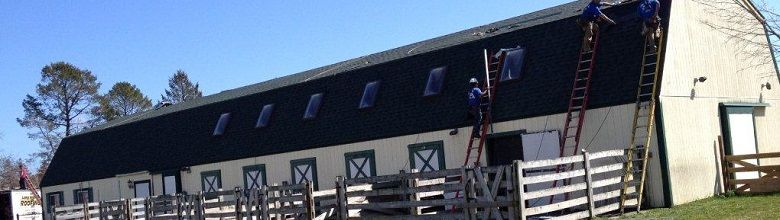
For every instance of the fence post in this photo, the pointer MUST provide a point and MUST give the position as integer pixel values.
(342, 212)
(198, 206)
(127, 209)
(237, 196)
(412, 183)
(470, 195)
(519, 186)
(264, 204)
(85, 206)
(588, 182)
(309, 200)
(100, 210)
(147, 209)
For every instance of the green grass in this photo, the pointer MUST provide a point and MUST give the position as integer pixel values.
(733, 207)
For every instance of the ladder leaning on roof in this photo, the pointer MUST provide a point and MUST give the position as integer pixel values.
(578, 104)
(493, 68)
(642, 128)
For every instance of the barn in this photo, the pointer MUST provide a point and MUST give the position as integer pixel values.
(395, 110)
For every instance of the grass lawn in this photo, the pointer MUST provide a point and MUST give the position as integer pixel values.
(734, 207)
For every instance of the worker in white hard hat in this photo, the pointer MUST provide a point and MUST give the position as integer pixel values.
(475, 103)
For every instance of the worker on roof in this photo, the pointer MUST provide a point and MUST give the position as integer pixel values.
(648, 10)
(587, 21)
(475, 105)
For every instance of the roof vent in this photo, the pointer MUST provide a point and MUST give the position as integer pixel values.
(162, 104)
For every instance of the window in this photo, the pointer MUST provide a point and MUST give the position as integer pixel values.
(513, 64)
(221, 124)
(360, 164)
(313, 107)
(80, 194)
(426, 157)
(304, 170)
(54, 199)
(369, 95)
(254, 176)
(435, 81)
(265, 116)
(211, 181)
(143, 189)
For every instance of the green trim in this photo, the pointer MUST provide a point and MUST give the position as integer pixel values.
(744, 104)
(508, 133)
(664, 157)
(437, 146)
(312, 162)
(204, 174)
(77, 198)
(250, 168)
(371, 162)
(50, 205)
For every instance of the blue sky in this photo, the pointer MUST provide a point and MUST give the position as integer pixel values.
(222, 46)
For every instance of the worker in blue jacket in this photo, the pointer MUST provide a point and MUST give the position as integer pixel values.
(475, 105)
(592, 14)
(648, 11)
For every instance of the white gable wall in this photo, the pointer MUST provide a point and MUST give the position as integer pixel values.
(691, 113)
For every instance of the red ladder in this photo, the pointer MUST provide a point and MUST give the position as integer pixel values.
(578, 104)
(24, 175)
(493, 67)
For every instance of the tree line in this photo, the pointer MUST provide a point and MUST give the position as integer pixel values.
(67, 100)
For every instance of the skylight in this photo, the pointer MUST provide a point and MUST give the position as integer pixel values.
(265, 116)
(369, 95)
(435, 81)
(221, 124)
(313, 107)
(513, 64)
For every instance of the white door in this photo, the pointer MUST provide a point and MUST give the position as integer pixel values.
(541, 146)
(169, 185)
(742, 135)
(142, 189)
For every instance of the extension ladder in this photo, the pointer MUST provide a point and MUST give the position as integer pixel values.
(578, 104)
(493, 68)
(642, 128)
(25, 176)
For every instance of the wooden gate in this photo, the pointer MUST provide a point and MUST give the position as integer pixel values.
(768, 175)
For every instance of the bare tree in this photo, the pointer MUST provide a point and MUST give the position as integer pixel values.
(9, 172)
(749, 25)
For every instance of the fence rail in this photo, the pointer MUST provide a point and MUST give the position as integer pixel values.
(500, 192)
(744, 175)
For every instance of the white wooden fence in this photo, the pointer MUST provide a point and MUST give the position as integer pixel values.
(499, 192)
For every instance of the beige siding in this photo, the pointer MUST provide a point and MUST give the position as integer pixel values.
(691, 118)
(607, 128)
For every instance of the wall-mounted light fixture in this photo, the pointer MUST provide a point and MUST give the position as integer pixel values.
(130, 184)
(699, 80)
(767, 86)
(186, 169)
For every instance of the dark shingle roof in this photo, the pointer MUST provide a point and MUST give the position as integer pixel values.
(180, 135)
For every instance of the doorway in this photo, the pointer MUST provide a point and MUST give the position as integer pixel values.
(739, 134)
(171, 181)
(143, 189)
